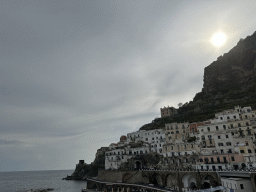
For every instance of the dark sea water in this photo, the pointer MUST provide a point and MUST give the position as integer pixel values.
(25, 180)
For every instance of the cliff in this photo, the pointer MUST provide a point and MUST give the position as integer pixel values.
(234, 70)
(228, 81)
(84, 170)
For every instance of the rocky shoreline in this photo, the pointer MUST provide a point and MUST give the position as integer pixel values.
(38, 190)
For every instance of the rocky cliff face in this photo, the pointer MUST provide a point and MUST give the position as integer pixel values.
(234, 70)
(228, 81)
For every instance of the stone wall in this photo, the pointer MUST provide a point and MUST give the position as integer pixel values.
(114, 176)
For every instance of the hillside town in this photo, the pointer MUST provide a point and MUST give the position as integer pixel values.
(224, 143)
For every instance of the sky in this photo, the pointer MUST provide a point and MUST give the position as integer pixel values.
(76, 75)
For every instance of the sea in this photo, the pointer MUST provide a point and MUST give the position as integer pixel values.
(26, 180)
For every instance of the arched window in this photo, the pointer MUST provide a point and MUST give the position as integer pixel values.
(249, 151)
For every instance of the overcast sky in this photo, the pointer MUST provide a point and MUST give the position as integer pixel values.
(76, 75)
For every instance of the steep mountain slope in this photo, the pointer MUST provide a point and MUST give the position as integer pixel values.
(228, 81)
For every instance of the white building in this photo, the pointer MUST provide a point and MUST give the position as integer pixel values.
(156, 138)
(237, 184)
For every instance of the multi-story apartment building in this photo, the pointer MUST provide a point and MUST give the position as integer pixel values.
(220, 161)
(156, 138)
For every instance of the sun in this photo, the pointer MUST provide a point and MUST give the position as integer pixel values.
(219, 39)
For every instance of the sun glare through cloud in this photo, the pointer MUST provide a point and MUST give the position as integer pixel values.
(219, 39)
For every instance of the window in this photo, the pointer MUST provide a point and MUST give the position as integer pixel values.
(231, 125)
(192, 146)
(234, 117)
(228, 143)
(219, 137)
(225, 159)
(217, 128)
(249, 151)
(226, 136)
(202, 130)
(221, 151)
(241, 151)
(224, 127)
(212, 161)
(220, 144)
(167, 127)
(218, 159)
(203, 137)
(146, 139)
(208, 128)
(239, 124)
(242, 186)
(247, 124)
(228, 117)
(232, 158)
(177, 131)
(171, 128)
(245, 116)
(172, 132)
(221, 118)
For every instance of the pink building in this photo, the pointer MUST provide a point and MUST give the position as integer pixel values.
(193, 126)
(220, 161)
